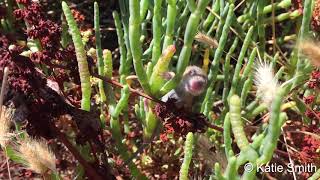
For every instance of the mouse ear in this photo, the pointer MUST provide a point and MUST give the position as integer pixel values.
(167, 75)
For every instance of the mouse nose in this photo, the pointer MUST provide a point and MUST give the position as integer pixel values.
(197, 85)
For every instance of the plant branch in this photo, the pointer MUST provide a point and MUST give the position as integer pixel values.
(89, 169)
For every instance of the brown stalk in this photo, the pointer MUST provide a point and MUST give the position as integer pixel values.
(133, 91)
(89, 169)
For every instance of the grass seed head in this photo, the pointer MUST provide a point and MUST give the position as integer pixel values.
(4, 128)
(311, 50)
(267, 84)
(37, 155)
(203, 38)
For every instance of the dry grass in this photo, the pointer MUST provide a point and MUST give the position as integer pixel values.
(37, 155)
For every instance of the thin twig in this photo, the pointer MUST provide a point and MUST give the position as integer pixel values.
(239, 4)
(217, 16)
(212, 126)
(306, 133)
(290, 159)
(133, 91)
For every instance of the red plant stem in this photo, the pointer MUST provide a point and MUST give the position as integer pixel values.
(88, 168)
(134, 91)
(212, 126)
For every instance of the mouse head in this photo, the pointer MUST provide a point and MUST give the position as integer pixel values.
(194, 80)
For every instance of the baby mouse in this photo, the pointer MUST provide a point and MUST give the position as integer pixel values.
(193, 83)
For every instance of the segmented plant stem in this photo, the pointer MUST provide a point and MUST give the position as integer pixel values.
(302, 65)
(270, 141)
(227, 71)
(116, 131)
(135, 44)
(236, 75)
(231, 171)
(157, 31)
(171, 12)
(143, 8)
(213, 72)
(260, 25)
(100, 62)
(81, 58)
(123, 69)
(188, 149)
(315, 176)
(227, 136)
(210, 18)
(157, 77)
(236, 122)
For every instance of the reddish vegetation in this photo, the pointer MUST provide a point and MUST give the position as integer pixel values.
(23, 74)
(308, 144)
(179, 121)
(310, 147)
(37, 94)
(78, 16)
(316, 16)
(313, 84)
(51, 54)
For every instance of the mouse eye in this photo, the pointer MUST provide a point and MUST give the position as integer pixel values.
(192, 72)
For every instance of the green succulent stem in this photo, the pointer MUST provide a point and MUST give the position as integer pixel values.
(184, 57)
(135, 44)
(81, 58)
(188, 149)
(99, 54)
(170, 23)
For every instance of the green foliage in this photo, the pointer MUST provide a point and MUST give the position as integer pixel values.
(157, 37)
(99, 54)
(217, 56)
(236, 122)
(234, 65)
(188, 149)
(81, 58)
(161, 67)
(184, 57)
(135, 44)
